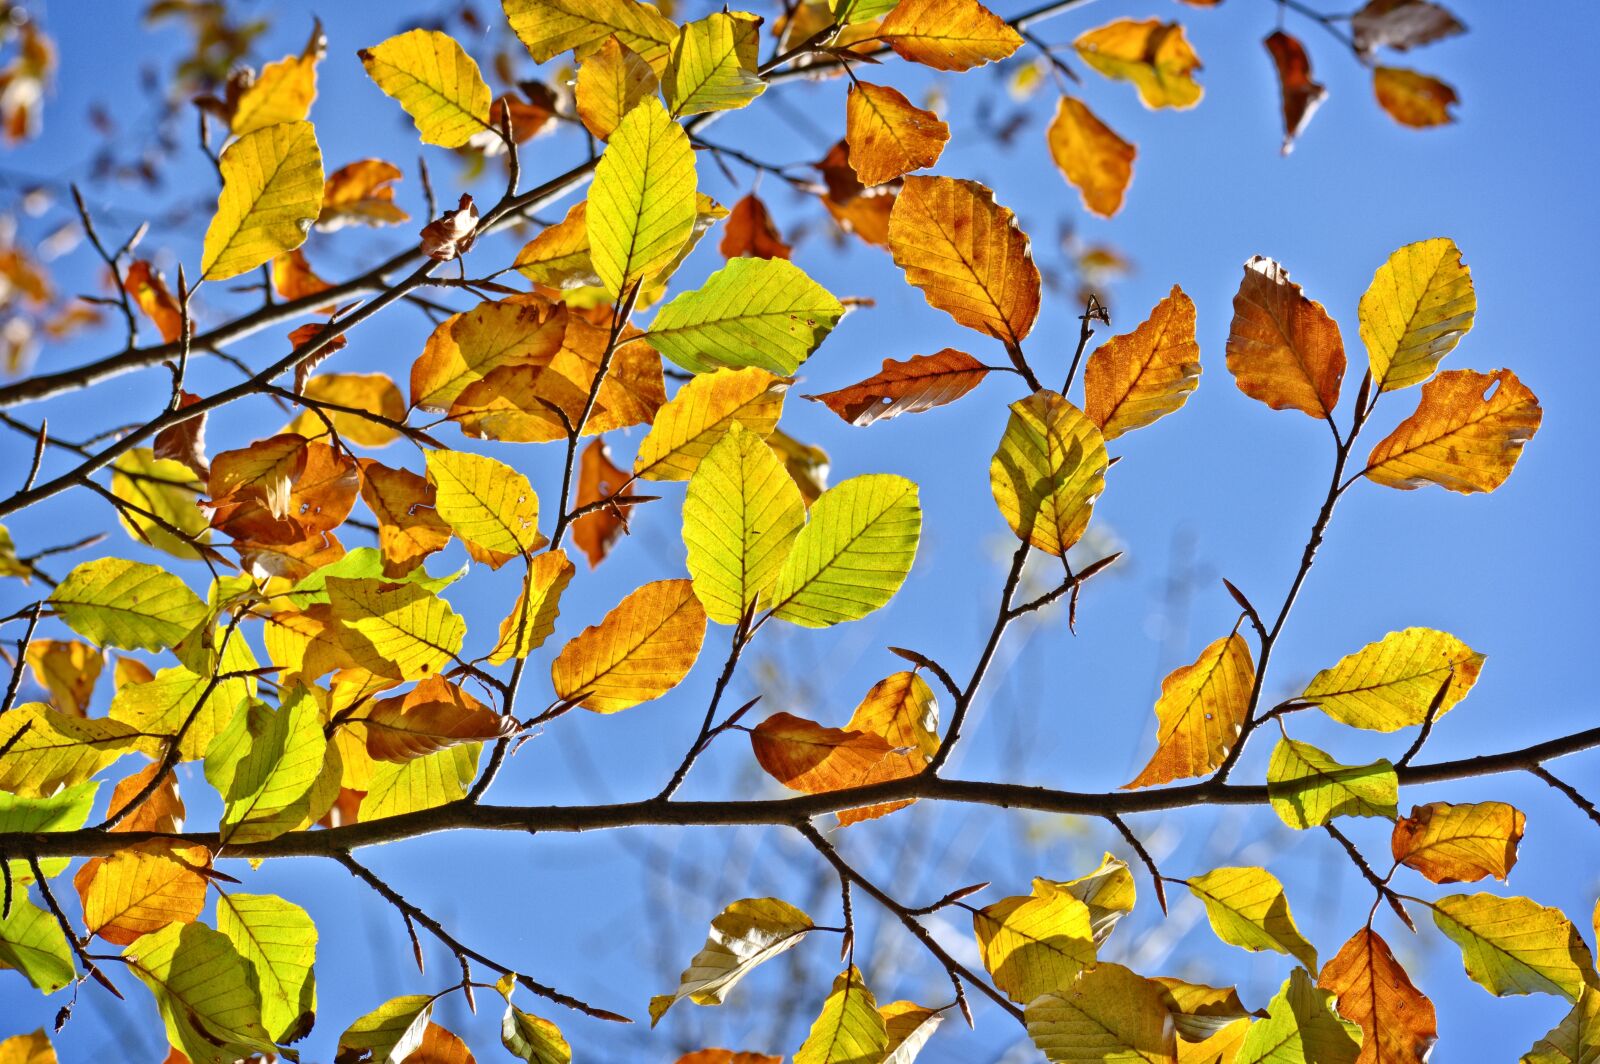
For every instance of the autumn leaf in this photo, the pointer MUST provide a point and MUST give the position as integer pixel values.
(550, 27)
(852, 555)
(1465, 436)
(67, 669)
(430, 75)
(888, 136)
(278, 939)
(283, 91)
(425, 783)
(409, 526)
(908, 1026)
(752, 312)
(749, 231)
(744, 935)
(1301, 96)
(532, 1038)
(32, 943)
(849, 1028)
(140, 890)
(207, 993)
(1418, 307)
(32, 1048)
(45, 750)
(533, 619)
(1420, 101)
(1106, 1013)
(948, 34)
(642, 204)
(1136, 379)
(1515, 946)
(1048, 471)
(1300, 1026)
(113, 602)
(713, 64)
(1200, 1012)
(399, 630)
(807, 757)
(467, 347)
(1576, 1039)
(491, 507)
(1390, 684)
(1308, 788)
(433, 716)
(1155, 56)
(1283, 348)
(1247, 908)
(1401, 24)
(966, 254)
(173, 698)
(268, 764)
(1032, 944)
(150, 295)
(1373, 990)
(640, 651)
(360, 193)
(1200, 713)
(162, 811)
(911, 386)
(271, 193)
(1459, 843)
(392, 1031)
(611, 80)
(374, 393)
(702, 411)
(1097, 162)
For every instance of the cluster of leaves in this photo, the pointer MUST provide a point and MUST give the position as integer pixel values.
(320, 687)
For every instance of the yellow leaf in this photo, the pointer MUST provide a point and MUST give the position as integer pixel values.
(435, 715)
(1033, 944)
(1283, 348)
(1107, 1013)
(375, 393)
(1247, 908)
(1155, 56)
(283, 91)
(948, 34)
(642, 203)
(1300, 1028)
(640, 651)
(752, 312)
(1390, 684)
(550, 27)
(271, 193)
(908, 1026)
(161, 705)
(1418, 307)
(740, 514)
(1515, 946)
(491, 506)
(465, 348)
(1308, 788)
(1412, 99)
(1459, 843)
(902, 709)
(163, 488)
(849, 1030)
(32, 1048)
(360, 192)
(67, 669)
(535, 1040)
(1200, 1012)
(1466, 434)
(113, 602)
(713, 64)
(1397, 1022)
(1108, 891)
(742, 936)
(1091, 156)
(46, 750)
(425, 783)
(1048, 471)
(437, 83)
(1137, 378)
(702, 411)
(611, 81)
(966, 254)
(888, 136)
(137, 891)
(400, 630)
(533, 619)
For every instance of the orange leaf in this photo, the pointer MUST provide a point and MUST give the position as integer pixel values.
(1459, 843)
(948, 34)
(727, 1056)
(888, 136)
(1283, 348)
(1413, 99)
(409, 528)
(1135, 379)
(293, 277)
(433, 716)
(598, 478)
(148, 290)
(161, 812)
(1301, 95)
(1097, 162)
(1200, 711)
(805, 756)
(1466, 435)
(749, 232)
(1398, 1025)
(360, 193)
(919, 383)
(142, 889)
(856, 210)
(640, 651)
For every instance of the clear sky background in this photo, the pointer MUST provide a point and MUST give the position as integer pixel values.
(1224, 488)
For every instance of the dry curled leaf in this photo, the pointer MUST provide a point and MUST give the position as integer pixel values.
(452, 233)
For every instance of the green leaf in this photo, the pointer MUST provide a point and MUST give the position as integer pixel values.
(642, 204)
(713, 64)
(853, 554)
(363, 563)
(1514, 945)
(741, 512)
(1247, 908)
(1308, 788)
(1575, 1040)
(848, 11)
(271, 194)
(402, 631)
(1300, 1028)
(743, 935)
(437, 83)
(1048, 471)
(161, 706)
(391, 1032)
(31, 942)
(850, 1030)
(266, 765)
(205, 991)
(491, 506)
(536, 1040)
(279, 941)
(66, 810)
(115, 602)
(1107, 1013)
(423, 783)
(752, 312)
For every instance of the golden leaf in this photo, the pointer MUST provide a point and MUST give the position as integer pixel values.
(1418, 307)
(271, 193)
(640, 651)
(491, 507)
(702, 411)
(1247, 908)
(1091, 156)
(1155, 56)
(550, 27)
(1032, 944)
(1390, 684)
(611, 80)
(141, 890)
(1466, 434)
(437, 83)
(1459, 843)
(433, 716)
(1107, 1013)
(1048, 471)
(743, 935)
(409, 526)
(1200, 711)
(533, 618)
(1137, 378)
(888, 136)
(948, 34)
(361, 192)
(1412, 99)
(1397, 1022)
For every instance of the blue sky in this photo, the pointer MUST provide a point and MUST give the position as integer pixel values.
(1224, 488)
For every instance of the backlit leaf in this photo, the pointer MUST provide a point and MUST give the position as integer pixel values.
(535, 1040)
(409, 526)
(948, 34)
(1283, 348)
(399, 630)
(849, 1030)
(46, 750)
(1301, 96)
(908, 1026)
(1108, 891)
(491, 506)
(1466, 435)
(1247, 908)
(1390, 684)
(642, 203)
(1397, 1022)
(31, 942)
(1106, 1013)
(1515, 946)
(271, 193)
(1420, 101)
(1090, 155)
(151, 295)
(1459, 843)
(533, 618)
(752, 312)
(113, 602)
(434, 715)
(137, 891)
(1048, 471)
(467, 347)
(807, 757)
(750, 231)
(1418, 307)
(713, 64)
(361, 193)
(742, 936)
(1309, 788)
(65, 810)
(1034, 944)
(702, 411)
(640, 651)
(889, 136)
(171, 700)
(279, 941)
(266, 765)
(550, 27)
(424, 783)
(163, 489)
(392, 1031)
(206, 993)
(1155, 56)
(918, 383)
(1300, 1028)
(852, 555)
(611, 80)
(1137, 378)
(966, 254)
(375, 393)
(67, 669)
(283, 91)
(437, 83)
(1576, 1039)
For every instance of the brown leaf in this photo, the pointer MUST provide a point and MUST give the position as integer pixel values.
(919, 383)
(1301, 95)
(1398, 1025)
(888, 136)
(452, 233)
(273, 494)
(598, 478)
(1466, 435)
(360, 193)
(186, 441)
(1137, 378)
(805, 756)
(856, 209)
(409, 529)
(1412, 99)
(749, 232)
(150, 292)
(1402, 24)
(434, 715)
(1459, 843)
(1097, 162)
(302, 338)
(1283, 348)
